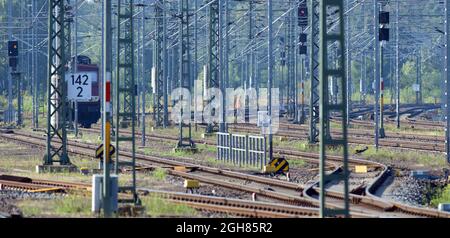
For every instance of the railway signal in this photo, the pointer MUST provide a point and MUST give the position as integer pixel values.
(13, 48)
(303, 15)
(13, 62)
(13, 53)
(107, 196)
(383, 37)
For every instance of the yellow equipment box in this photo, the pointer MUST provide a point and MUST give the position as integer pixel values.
(191, 184)
(360, 169)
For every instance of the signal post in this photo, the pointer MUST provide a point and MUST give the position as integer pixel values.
(106, 117)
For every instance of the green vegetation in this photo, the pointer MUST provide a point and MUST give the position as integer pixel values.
(70, 206)
(178, 154)
(382, 155)
(301, 145)
(207, 148)
(157, 207)
(17, 160)
(392, 128)
(418, 158)
(79, 206)
(159, 174)
(73, 205)
(297, 163)
(213, 161)
(442, 196)
(305, 146)
(87, 138)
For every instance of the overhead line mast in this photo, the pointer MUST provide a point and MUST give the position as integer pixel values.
(314, 72)
(56, 91)
(328, 69)
(185, 142)
(125, 98)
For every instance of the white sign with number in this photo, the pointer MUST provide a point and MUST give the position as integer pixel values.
(79, 86)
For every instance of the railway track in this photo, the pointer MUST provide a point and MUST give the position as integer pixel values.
(359, 203)
(409, 141)
(235, 207)
(369, 201)
(38, 185)
(410, 123)
(429, 144)
(357, 140)
(249, 183)
(238, 207)
(309, 157)
(369, 133)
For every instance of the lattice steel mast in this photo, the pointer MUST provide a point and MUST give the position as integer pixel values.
(185, 142)
(224, 75)
(349, 62)
(33, 66)
(328, 70)
(214, 62)
(314, 72)
(56, 90)
(397, 64)
(160, 59)
(125, 98)
(291, 64)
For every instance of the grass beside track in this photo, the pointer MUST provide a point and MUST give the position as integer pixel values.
(69, 206)
(387, 156)
(442, 196)
(21, 161)
(158, 207)
(418, 159)
(73, 206)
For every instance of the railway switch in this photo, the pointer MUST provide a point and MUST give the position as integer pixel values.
(183, 169)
